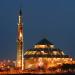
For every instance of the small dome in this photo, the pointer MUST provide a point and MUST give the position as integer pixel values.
(44, 42)
(44, 48)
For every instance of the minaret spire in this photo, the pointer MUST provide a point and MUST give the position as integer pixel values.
(20, 16)
(20, 43)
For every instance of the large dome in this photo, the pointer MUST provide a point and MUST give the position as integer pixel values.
(44, 48)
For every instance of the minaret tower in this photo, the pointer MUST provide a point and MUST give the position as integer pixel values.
(20, 63)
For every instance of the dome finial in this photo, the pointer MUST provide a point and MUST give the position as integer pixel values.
(20, 12)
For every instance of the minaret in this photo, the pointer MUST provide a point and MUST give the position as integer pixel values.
(20, 63)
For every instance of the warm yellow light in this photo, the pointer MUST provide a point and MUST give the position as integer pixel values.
(40, 62)
(19, 19)
(20, 34)
(43, 52)
(52, 46)
(40, 46)
(19, 63)
(55, 52)
(62, 53)
(29, 66)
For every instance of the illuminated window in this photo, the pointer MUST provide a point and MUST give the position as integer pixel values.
(62, 53)
(40, 62)
(20, 34)
(27, 52)
(38, 53)
(43, 52)
(30, 52)
(52, 46)
(55, 52)
(40, 46)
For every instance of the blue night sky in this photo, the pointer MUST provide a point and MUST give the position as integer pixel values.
(54, 19)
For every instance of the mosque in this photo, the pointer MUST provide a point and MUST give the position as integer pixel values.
(43, 54)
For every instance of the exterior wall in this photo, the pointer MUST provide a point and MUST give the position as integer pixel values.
(32, 63)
